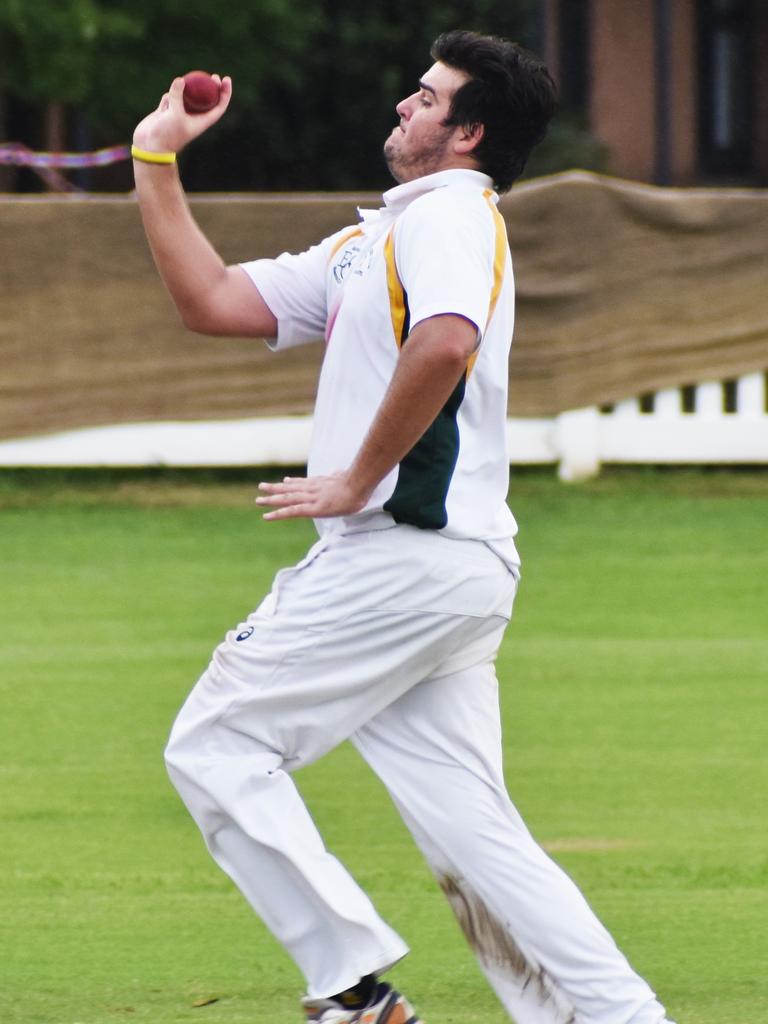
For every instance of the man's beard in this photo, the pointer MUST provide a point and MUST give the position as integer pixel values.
(390, 158)
(408, 166)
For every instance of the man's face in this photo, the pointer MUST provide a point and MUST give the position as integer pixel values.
(421, 144)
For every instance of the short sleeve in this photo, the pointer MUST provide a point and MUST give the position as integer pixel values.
(445, 247)
(294, 288)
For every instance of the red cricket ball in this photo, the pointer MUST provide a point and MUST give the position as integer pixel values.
(201, 92)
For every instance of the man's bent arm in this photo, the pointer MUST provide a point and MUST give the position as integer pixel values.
(211, 297)
(429, 367)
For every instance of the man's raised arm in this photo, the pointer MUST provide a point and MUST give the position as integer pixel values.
(211, 297)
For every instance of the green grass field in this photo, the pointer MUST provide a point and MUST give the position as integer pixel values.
(635, 676)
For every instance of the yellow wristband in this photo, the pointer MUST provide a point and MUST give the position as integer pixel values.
(148, 157)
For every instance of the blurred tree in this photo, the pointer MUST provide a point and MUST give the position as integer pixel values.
(47, 53)
(324, 127)
(569, 144)
(315, 81)
(254, 41)
(109, 61)
(48, 48)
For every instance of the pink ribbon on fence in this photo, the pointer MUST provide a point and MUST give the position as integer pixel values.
(21, 156)
(47, 165)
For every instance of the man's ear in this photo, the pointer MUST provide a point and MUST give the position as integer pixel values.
(468, 138)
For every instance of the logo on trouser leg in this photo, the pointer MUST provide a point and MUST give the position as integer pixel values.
(245, 634)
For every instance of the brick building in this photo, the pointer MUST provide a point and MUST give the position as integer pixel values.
(677, 90)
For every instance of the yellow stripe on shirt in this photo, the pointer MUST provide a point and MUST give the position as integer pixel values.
(397, 308)
(344, 238)
(397, 302)
(499, 266)
(500, 254)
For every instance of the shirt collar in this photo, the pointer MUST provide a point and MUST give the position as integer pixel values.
(401, 196)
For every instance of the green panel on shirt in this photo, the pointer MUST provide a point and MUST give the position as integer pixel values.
(425, 473)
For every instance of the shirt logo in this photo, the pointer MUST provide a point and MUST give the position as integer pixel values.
(352, 261)
(344, 265)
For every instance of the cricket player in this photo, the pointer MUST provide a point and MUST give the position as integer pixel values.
(386, 632)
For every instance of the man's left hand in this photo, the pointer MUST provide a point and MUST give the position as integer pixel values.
(316, 497)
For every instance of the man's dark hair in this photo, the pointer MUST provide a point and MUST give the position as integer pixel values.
(510, 92)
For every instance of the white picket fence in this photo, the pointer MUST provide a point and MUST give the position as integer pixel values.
(714, 423)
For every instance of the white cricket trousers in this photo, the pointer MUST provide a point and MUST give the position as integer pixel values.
(388, 638)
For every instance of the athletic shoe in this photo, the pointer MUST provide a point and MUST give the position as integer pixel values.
(387, 1007)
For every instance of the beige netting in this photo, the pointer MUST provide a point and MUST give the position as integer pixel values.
(621, 289)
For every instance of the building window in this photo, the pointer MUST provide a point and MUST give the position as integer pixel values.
(574, 58)
(726, 87)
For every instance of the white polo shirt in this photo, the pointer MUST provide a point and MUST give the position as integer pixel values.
(438, 246)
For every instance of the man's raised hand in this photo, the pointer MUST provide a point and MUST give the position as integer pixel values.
(169, 128)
